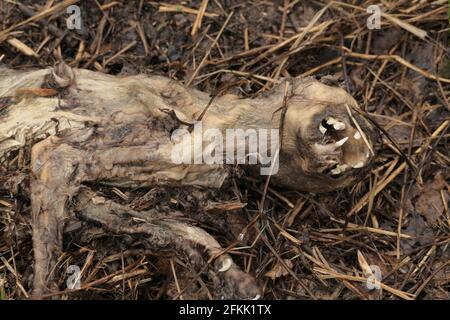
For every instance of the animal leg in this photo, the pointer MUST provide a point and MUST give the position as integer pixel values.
(55, 178)
(165, 228)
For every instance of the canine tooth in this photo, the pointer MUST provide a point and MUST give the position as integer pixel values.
(358, 165)
(357, 135)
(322, 129)
(226, 264)
(257, 297)
(341, 142)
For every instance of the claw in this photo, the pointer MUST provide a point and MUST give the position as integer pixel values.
(226, 264)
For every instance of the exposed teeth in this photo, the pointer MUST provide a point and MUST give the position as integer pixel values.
(322, 129)
(357, 135)
(358, 165)
(341, 142)
(339, 169)
(331, 121)
(337, 125)
(257, 297)
(226, 264)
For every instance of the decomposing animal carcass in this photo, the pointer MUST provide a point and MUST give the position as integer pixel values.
(119, 131)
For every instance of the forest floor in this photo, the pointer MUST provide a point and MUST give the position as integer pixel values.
(393, 226)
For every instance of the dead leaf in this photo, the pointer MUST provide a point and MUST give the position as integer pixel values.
(237, 223)
(444, 68)
(357, 78)
(430, 203)
(400, 132)
(415, 82)
(279, 270)
(422, 234)
(386, 39)
(442, 277)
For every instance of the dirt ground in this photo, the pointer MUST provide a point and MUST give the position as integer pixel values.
(393, 226)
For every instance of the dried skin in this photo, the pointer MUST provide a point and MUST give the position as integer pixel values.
(117, 131)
